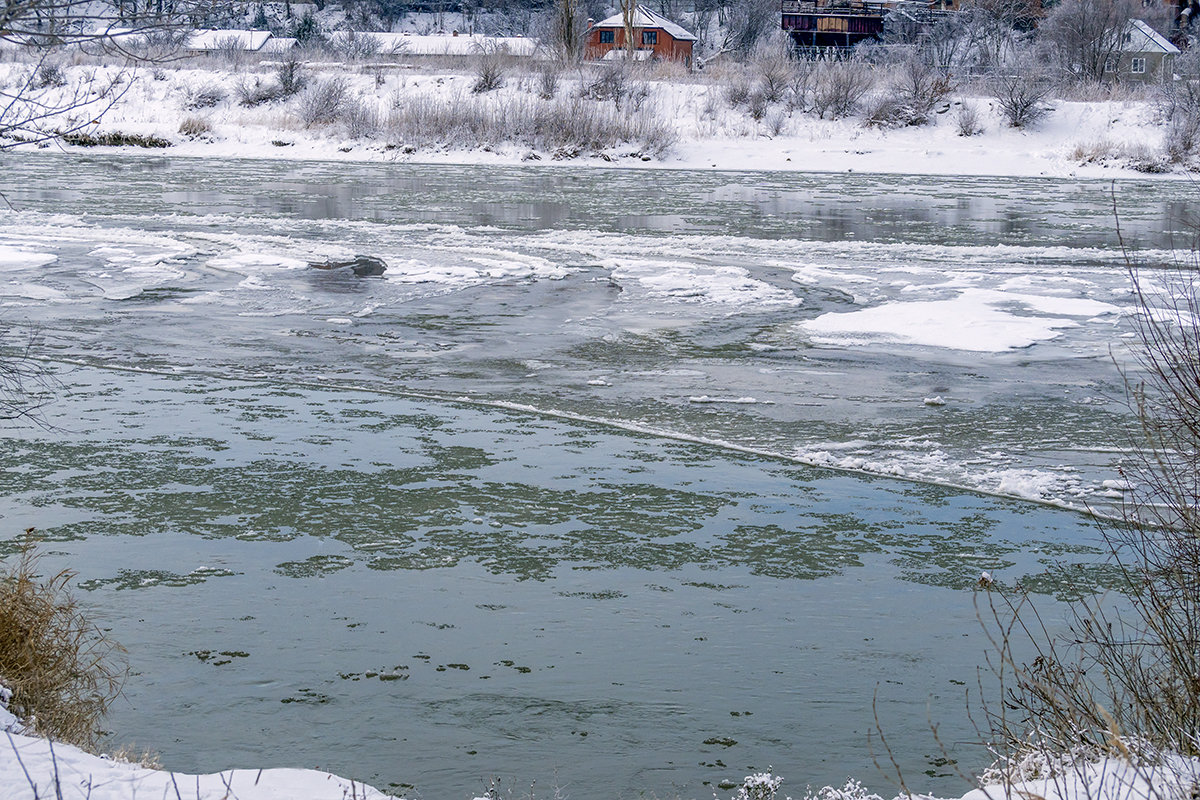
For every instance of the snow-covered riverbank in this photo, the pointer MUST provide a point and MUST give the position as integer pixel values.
(679, 121)
(32, 768)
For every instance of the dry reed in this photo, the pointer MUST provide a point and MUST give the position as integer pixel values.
(62, 670)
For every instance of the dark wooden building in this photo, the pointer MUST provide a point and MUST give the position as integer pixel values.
(841, 24)
(824, 24)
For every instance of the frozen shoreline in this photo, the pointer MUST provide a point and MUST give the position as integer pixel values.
(1110, 136)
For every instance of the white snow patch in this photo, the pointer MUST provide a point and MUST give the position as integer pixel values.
(975, 320)
(19, 258)
(700, 283)
(745, 401)
(71, 774)
(1031, 484)
(242, 262)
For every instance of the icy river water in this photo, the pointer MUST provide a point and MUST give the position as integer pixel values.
(616, 481)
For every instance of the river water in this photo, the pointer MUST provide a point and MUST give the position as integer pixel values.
(553, 500)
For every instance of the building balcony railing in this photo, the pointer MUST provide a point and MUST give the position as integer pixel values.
(847, 8)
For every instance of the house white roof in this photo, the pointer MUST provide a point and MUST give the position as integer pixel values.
(1141, 38)
(645, 18)
(465, 44)
(220, 39)
(279, 44)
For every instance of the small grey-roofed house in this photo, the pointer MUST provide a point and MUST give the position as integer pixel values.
(208, 41)
(1144, 55)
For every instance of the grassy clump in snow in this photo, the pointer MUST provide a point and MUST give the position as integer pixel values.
(567, 126)
(62, 670)
(114, 139)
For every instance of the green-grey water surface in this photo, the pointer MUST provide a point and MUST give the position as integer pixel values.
(546, 503)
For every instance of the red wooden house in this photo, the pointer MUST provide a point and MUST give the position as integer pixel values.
(655, 36)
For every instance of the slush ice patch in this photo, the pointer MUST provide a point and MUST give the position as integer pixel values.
(19, 258)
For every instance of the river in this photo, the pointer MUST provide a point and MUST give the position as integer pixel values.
(617, 481)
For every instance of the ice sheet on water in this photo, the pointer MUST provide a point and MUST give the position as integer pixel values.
(254, 262)
(979, 320)
(686, 281)
(14, 257)
(990, 472)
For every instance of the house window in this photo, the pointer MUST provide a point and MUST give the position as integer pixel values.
(1110, 65)
(1137, 66)
(649, 37)
(606, 37)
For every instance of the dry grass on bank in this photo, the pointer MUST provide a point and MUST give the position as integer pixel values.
(62, 670)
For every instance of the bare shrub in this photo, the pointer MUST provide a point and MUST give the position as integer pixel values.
(1126, 669)
(1020, 92)
(290, 74)
(799, 96)
(756, 106)
(62, 670)
(921, 87)
(776, 122)
(49, 75)
(737, 93)
(610, 82)
(775, 77)
(361, 118)
(1182, 137)
(206, 96)
(888, 111)
(548, 81)
(254, 91)
(489, 71)
(321, 103)
(230, 50)
(1178, 105)
(839, 86)
(567, 126)
(354, 45)
(967, 120)
(195, 127)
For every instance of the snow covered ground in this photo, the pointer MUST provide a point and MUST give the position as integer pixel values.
(32, 768)
(1081, 139)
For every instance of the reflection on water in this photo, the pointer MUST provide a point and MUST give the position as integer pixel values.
(977, 210)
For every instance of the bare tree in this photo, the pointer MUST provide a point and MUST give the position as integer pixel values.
(568, 30)
(26, 384)
(1020, 89)
(1087, 34)
(993, 30)
(36, 108)
(628, 12)
(749, 23)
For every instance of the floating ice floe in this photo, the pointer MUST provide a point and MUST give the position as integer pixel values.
(978, 320)
(744, 401)
(19, 258)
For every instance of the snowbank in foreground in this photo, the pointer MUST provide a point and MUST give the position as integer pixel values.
(1077, 139)
(33, 769)
(1108, 779)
